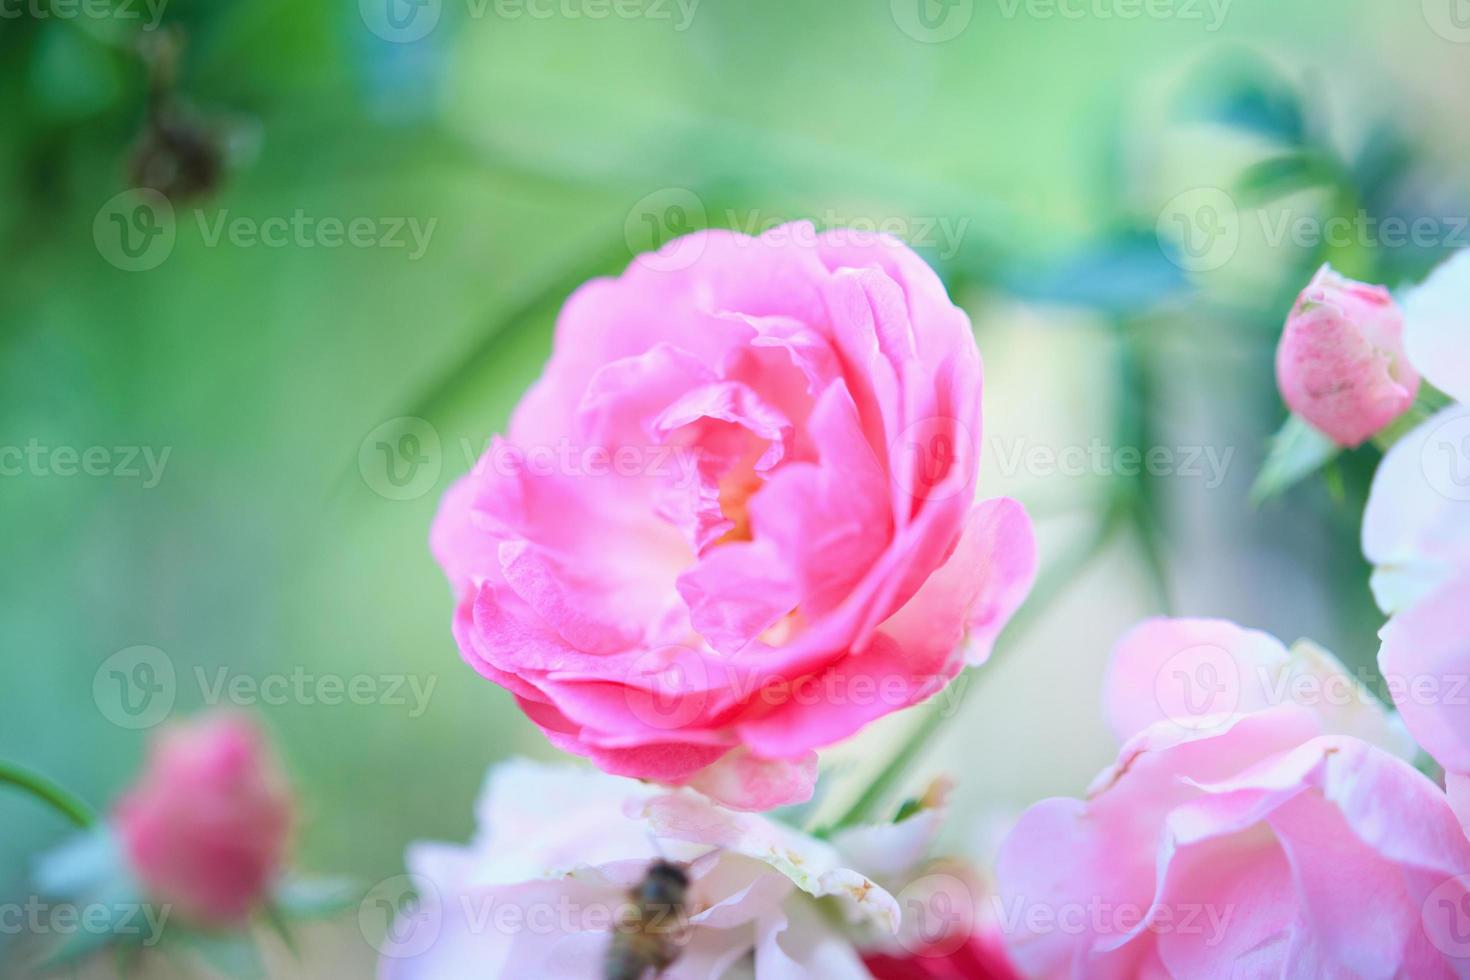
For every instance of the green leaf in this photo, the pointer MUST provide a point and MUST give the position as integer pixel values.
(1125, 272)
(1245, 91)
(234, 955)
(1297, 451)
(299, 897)
(1276, 177)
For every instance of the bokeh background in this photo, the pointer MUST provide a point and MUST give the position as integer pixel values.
(1125, 194)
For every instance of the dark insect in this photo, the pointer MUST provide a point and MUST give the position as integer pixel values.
(178, 153)
(653, 927)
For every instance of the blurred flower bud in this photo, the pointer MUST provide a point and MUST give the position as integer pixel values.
(205, 827)
(178, 156)
(1341, 364)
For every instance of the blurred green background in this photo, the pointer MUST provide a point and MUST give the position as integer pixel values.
(1036, 157)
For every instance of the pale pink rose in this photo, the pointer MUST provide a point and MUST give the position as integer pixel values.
(1426, 649)
(734, 521)
(1198, 674)
(1341, 363)
(1416, 528)
(1259, 846)
(205, 828)
(1437, 327)
(539, 890)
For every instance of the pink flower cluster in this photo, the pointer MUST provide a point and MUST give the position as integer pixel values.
(826, 565)
(1241, 832)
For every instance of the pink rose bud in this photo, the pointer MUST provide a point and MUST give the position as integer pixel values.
(205, 827)
(1341, 364)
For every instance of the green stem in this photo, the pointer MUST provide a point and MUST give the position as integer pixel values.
(48, 792)
(1048, 588)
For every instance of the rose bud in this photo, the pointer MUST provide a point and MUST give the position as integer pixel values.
(205, 827)
(1341, 364)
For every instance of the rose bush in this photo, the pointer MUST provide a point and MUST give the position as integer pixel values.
(735, 520)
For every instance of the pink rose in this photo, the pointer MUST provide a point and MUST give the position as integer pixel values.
(734, 521)
(1264, 844)
(1341, 364)
(981, 957)
(540, 889)
(1426, 656)
(1437, 327)
(1416, 532)
(205, 827)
